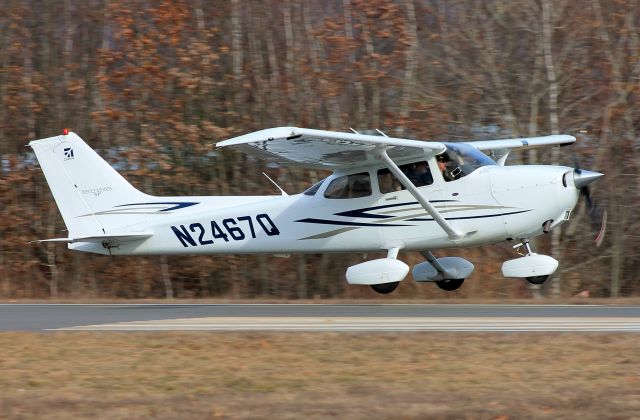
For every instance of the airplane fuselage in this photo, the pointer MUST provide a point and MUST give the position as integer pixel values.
(490, 205)
(384, 194)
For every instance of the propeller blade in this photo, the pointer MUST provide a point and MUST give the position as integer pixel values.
(597, 214)
(587, 196)
(576, 165)
(603, 228)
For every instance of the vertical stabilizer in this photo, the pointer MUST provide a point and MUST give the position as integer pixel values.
(83, 184)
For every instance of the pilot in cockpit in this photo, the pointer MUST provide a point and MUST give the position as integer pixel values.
(444, 164)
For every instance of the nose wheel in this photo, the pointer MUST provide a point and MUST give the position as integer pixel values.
(537, 279)
(533, 279)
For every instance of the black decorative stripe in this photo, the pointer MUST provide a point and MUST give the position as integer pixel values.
(344, 223)
(176, 205)
(363, 215)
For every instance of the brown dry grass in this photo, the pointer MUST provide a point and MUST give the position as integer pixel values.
(297, 375)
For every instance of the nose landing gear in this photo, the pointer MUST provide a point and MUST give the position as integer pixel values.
(535, 268)
(537, 279)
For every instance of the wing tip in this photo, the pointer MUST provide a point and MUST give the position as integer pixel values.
(274, 132)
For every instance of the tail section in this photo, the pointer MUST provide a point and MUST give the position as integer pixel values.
(86, 188)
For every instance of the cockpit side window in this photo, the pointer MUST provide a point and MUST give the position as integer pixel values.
(417, 172)
(350, 186)
(460, 160)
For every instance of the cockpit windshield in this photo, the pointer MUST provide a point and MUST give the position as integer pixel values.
(460, 160)
(314, 188)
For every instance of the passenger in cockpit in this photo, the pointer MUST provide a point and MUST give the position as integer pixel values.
(420, 174)
(387, 182)
(360, 187)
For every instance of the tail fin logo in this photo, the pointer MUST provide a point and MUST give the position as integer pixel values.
(68, 153)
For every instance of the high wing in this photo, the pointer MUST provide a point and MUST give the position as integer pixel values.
(322, 149)
(500, 149)
(530, 142)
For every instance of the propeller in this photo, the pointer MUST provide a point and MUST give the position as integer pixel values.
(597, 214)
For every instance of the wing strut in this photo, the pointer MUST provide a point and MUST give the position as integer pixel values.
(446, 226)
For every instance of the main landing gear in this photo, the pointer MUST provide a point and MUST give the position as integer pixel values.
(383, 274)
(450, 285)
(448, 273)
(537, 279)
(385, 288)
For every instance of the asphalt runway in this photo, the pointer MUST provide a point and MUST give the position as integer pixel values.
(318, 317)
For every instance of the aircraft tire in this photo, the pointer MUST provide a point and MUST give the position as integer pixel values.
(450, 285)
(537, 279)
(385, 288)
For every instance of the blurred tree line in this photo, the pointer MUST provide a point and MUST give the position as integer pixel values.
(153, 85)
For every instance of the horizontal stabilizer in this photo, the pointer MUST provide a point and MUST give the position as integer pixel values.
(123, 237)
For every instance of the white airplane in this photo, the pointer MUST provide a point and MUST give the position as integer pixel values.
(385, 194)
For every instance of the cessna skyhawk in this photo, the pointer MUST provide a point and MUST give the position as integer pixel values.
(385, 194)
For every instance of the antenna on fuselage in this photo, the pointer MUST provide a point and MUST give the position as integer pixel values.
(284, 193)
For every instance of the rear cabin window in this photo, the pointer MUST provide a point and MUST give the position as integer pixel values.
(417, 172)
(349, 186)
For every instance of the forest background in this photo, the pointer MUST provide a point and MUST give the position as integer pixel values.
(153, 85)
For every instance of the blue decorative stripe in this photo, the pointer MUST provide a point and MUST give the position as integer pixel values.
(415, 219)
(343, 223)
(176, 205)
